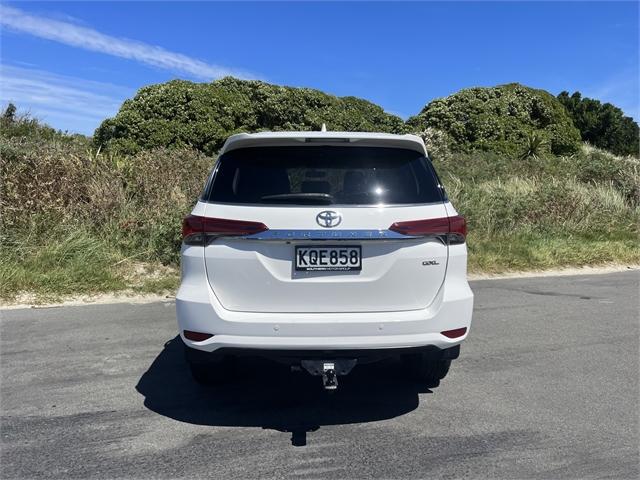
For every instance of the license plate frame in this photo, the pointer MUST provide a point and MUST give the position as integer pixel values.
(304, 263)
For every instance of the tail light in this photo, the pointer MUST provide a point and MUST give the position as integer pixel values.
(196, 336)
(196, 229)
(458, 332)
(454, 229)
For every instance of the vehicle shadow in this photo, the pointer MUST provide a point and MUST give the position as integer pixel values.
(268, 395)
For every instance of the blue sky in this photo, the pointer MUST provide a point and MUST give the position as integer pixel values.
(73, 63)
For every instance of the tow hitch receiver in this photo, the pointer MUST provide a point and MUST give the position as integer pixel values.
(329, 377)
(329, 370)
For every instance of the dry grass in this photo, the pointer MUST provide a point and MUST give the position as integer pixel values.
(75, 221)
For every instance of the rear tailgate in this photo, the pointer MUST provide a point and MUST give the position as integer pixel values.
(257, 274)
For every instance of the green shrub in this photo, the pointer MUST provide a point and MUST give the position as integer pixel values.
(595, 166)
(535, 147)
(202, 115)
(43, 177)
(136, 203)
(590, 166)
(565, 205)
(438, 144)
(160, 186)
(500, 119)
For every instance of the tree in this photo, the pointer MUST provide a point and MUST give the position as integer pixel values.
(9, 114)
(602, 124)
(501, 119)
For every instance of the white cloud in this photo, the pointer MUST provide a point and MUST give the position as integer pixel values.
(67, 103)
(87, 38)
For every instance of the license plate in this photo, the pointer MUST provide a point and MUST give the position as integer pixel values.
(328, 258)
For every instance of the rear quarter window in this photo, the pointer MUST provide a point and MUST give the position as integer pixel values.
(324, 175)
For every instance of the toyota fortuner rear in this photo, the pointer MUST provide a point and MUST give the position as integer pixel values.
(324, 250)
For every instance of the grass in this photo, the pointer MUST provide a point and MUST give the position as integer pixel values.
(79, 222)
(79, 263)
(48, 268)
(530, 251)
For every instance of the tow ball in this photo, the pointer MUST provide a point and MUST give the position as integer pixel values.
(329, 370)
(329, 377)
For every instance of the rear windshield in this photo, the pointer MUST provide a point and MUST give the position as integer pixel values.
(323, 175)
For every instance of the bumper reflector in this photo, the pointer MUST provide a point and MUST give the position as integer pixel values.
(458, 332)
(196, 336)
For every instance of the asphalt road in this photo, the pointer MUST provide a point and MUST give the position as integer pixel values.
(546, 387)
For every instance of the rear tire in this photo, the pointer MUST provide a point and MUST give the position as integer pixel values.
(208, 368)
(426, 368)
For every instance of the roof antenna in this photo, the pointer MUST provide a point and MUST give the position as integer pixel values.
(323, 128)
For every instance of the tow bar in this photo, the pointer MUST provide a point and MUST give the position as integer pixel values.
(329, 370)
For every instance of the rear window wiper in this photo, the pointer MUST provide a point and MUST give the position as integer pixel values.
(306, 198)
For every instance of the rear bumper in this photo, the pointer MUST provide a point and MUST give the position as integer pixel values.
(294, 357)
(311, 343)
(199, 310)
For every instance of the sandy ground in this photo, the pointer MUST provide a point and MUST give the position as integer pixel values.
(556, 273)
(25, 301)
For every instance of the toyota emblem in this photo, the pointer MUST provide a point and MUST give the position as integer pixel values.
(328, 219)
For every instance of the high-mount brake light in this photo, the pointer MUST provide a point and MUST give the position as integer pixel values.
(327, 140)
(197, 229)
(454, 229)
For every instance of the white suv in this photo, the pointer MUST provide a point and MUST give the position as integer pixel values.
(324, 250)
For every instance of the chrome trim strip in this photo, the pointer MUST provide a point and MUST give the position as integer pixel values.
(319, 206)
(280, 235)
